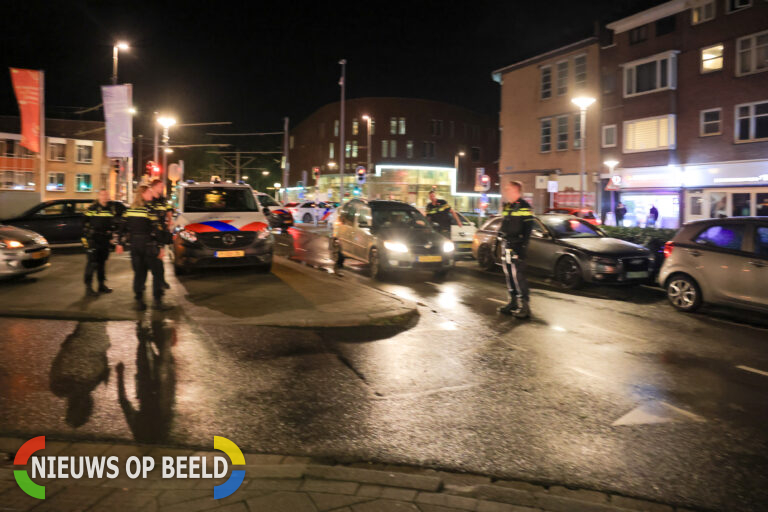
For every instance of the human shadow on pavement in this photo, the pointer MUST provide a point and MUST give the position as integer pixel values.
(151, 419)
(79, 367)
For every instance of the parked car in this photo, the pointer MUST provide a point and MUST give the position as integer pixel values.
(718, 261)
(308, 211)
(389, 236)
(583, 213)
(22, 252)
(571, 250)
(279, 217)
(60, 221)
(462, 236)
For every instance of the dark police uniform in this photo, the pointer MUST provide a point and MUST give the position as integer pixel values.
(98, 227)
(516, 225)
(143, 231)
(440, 213)
(160, 206)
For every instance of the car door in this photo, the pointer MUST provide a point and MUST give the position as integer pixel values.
(756, 266)
(541, 248)
(718, 254)
(346, 229)
(363, 237)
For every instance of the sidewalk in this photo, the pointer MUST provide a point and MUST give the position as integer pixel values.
(275, 483)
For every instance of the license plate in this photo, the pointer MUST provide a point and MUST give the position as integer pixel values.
(39, 255)
(230, 254)
(430, 259)
(465, 245)
(637, 275)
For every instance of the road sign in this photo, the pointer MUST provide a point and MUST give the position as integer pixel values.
(552, 186)
(614, 183)
(174, 172)
(541, 182)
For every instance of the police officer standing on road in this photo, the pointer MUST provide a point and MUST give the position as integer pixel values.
(440, 212)
(160, 205)
(143, 231)
(98, 227)
(516, 225)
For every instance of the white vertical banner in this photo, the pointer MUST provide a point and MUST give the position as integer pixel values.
(117, 114)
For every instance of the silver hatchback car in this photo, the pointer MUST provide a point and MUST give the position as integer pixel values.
(718, 261)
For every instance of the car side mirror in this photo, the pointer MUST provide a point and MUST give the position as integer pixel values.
(266, 211)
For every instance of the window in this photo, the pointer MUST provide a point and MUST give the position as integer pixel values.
(752, 122)
(104, 181)
(409, 149)
(703, 12)
(57, 151)
(474, 153)
(401, 126)
(709, 122)
(638, 34)
(577, 131)
(609, 136)
(348, 149)
(393, 126)
(697, 205)
(651, 134)
(609, 83)
(429, 149)
(650, 75)
(452, 129)
(83, 183)
(736, 5)
(52, 210)
(762, 204)
(741, 204)
(336, 128)
(761, 241)
(355, 127)
(546, 82)
(562, 78)
(752, 54)
(665, 25)
(727, 236)
(392, 149)
(546, 136)
(331, 148)
(354, 149)
(55, 182)
(17, 180)
(712, 58)
(84, 153)
(373, 126)
(290, 142)
(437, 128)
(580, 72)
(384, 148)
(562, 133)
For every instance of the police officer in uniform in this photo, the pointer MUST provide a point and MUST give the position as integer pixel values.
(516, 225)
(100, 224)
(440, 212)
(143, 232)
(160, 205)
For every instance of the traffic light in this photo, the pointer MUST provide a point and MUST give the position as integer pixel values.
(117, 166)
(356, 191)
(316, 173)
(360, 173)
(153, 169)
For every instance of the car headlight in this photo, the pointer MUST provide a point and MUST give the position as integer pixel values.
(188, 236)
(10, 244)
(41, 240)
(395, 246)
(262, 234)
(448, 246)
(604, 265)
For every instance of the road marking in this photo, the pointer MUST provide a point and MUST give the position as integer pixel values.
(498, 300)
(430, 282)
(656, 412)
(753, 370)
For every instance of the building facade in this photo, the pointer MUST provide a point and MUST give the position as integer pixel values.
(685, 110)
(415, 145)
(540, 126)
(76, 165)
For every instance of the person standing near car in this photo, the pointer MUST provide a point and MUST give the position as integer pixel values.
(160, 205)
(143, 231)
(440, 212)
(653, 216)
(515, 231)
(621, 211)
(98, 227)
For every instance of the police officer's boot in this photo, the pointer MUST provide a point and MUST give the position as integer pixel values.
(89, 291)
(523, 309)
(159, 305)
(140, 304)
(103, 288)
(511, 308)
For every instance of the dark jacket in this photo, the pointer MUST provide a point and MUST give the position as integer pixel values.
(517, 223)
(440, 213)
(100, 223)
(142, 226)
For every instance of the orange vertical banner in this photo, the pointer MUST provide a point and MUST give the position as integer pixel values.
(27, 86)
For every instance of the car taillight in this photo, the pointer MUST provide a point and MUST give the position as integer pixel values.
(668, 248)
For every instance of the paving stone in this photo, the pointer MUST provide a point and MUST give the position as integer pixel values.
(6, 484)
(84, 449)
(194, 505)
(233, 507)
(552, 503)
(258, 459)
(390, 493)
(123, 451)
(462, 479)
(73, 498)
(523, 486)
(329, 486)
(296, 460)
(634, 504)
(180, 496)
(385, 506)
(493, 506)
(325, 502)
(369, 476)
(276, 471)
(282, 502)
(506, 495)
(126, 500)
(436, 508)
(176, 483)
(271, 484)
(447, 500)
(11, 444)
(579, 494)
(18, 500)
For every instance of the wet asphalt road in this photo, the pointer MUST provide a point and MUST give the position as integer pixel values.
(604, 388)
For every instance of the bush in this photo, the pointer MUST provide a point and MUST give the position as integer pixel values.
(652, 238)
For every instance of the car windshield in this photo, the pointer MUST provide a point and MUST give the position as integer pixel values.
(266, 201)
(570, 228)
(401, 217)
(219, 199)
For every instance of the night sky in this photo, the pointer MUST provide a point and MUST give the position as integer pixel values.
(254, 62)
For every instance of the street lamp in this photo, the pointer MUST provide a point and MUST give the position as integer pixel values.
(166, 122)
(277, 189)
(368, 152)
(132, 111)
(583, 102)
(611, 165)
(456, 157)
(245, 178)
(265, 173)
(121, 45)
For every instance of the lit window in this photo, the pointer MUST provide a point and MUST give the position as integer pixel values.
(752, 54)
(290, 143)
(355, 127)
(577, 131)
(57, 151)
(401, 126)
(752, 122)
(712, 58)
(562, 133)
(56, 182)
(580, 72)
(373, 126)
(709, 122)
(393, 126)
(347, 149)
(609, 136)
(331, 150)
(17, 180)
(546, 136)
(562, 78)
(392, 149)
(83, 183)
(84, 153)
(736, 5)
(336, 128)
(651, 134)
(546, 82)
(384, 148)
(354, 149)
(409, 149)
(703, 12)
(649, 75)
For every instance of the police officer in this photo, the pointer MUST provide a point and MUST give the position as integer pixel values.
(440, 212)
(99, 226)
(516, 225)
(142, 231)
(160, 205)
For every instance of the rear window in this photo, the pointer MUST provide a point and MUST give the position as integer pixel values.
(723, 236)
(266, 201)
(219, 199)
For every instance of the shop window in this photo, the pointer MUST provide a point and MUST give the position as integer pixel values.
(638, 34)
(562, 133)
(545, 145)
(741, 204)
(57, 151)
(546, 82)
(727, 236)
(665, 25)
(711, 58)
(709, 122)
(609, 136)
(84, 153)
(752, 122)
(697, 205)
(718, 205)
(761, 241)
(736, 5)
(580, 72)
(56, 182)
(703, 12)
(752, 54)
(650, 75)
(761, 209)
(562, 78)
(651, 134)
(83, 183)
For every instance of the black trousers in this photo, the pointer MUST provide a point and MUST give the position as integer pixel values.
(144, 260)
(513, 263)
(97, 260)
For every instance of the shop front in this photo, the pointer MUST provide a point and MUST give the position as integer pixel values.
(726, 190)
(643, 192)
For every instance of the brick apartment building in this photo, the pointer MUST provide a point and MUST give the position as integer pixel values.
(76, 165)
(685, 109)
(540, 125)
(415, 145)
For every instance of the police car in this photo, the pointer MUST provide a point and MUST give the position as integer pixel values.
(220, 225)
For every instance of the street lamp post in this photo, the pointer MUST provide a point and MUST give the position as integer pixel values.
(611, 165)
(583, 102)
(368, 151)
(115, 50)
(166, 123)
(342, 83)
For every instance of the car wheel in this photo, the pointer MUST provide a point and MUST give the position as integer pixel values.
(568, 273)
(336, 255)
(683, 293)
(485, 258)
(306, 219)
(374, 265)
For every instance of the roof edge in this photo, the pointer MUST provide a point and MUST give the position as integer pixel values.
(496, 75)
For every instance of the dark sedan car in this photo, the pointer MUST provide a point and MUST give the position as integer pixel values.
(59, 221)
(571, 250)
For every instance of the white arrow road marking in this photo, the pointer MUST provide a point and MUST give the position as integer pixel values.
(656, 412)
(753, 370)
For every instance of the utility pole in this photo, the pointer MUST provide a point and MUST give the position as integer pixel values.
(237, 167)
(342, 83)
(287, 166)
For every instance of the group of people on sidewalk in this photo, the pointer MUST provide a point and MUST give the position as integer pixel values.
(143, 228)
